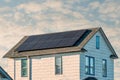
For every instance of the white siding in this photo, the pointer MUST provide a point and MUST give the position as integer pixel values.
(99, 54)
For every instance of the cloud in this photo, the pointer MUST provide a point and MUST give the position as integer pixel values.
(7, 1)
(53, 16)
(94, 5)
(30, 7)
(4, 9)
(105, 12)
(18, 16)
(47, 18)
(110, 10)
(49, 14)
(53, 4)
(109, 7)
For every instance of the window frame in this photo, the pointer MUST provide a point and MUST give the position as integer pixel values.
(24, 67)
(104, 71)
(97, 42)
(61, 66)
(89, 66)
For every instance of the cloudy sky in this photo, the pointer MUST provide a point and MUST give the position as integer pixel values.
(27, 17)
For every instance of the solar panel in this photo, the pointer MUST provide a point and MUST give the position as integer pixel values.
(53, 40)
(66, 42)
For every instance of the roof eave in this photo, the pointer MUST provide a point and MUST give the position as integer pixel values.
(108, 44)
(113, 56)
(44, 52)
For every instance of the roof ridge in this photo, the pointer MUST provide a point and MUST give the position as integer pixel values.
(64, 31)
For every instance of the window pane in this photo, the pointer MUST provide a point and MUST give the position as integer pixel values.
(91, 70)
(58, 69)
(58, 65)
(24, 63)
(91, 62)
(104, 67)
(24, 72)
(58, 61)
(89, 65)
(97, 42)
(86, 70)
(24, 67)
(87, 61)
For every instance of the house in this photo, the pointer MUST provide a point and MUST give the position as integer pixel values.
(72, 55)
(4, 75)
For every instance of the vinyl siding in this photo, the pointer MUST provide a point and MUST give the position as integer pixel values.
(99, 54)
(10, 68)
(43, 68)
(18, 70)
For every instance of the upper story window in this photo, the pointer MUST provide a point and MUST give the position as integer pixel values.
(104, 68)
(97, 42)
(24, 68)
(90, 65)
(58, 65)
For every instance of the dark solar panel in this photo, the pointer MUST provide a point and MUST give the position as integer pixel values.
(66, 42)
(54, 40)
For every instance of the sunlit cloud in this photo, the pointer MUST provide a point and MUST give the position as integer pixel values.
(38, 17)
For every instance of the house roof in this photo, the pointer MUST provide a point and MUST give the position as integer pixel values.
(4, 74)
(55, 43)
(53, 40)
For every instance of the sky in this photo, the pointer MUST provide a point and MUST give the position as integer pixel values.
(19, 18)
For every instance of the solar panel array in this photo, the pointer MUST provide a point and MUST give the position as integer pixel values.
(53, 40)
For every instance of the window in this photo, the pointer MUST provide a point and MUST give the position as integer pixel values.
(97, 42)
(104, 67)
(90, 65)
(58, 65)
(24, 68)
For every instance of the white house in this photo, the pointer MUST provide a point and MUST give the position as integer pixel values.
(4, 75)
(73, 55)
